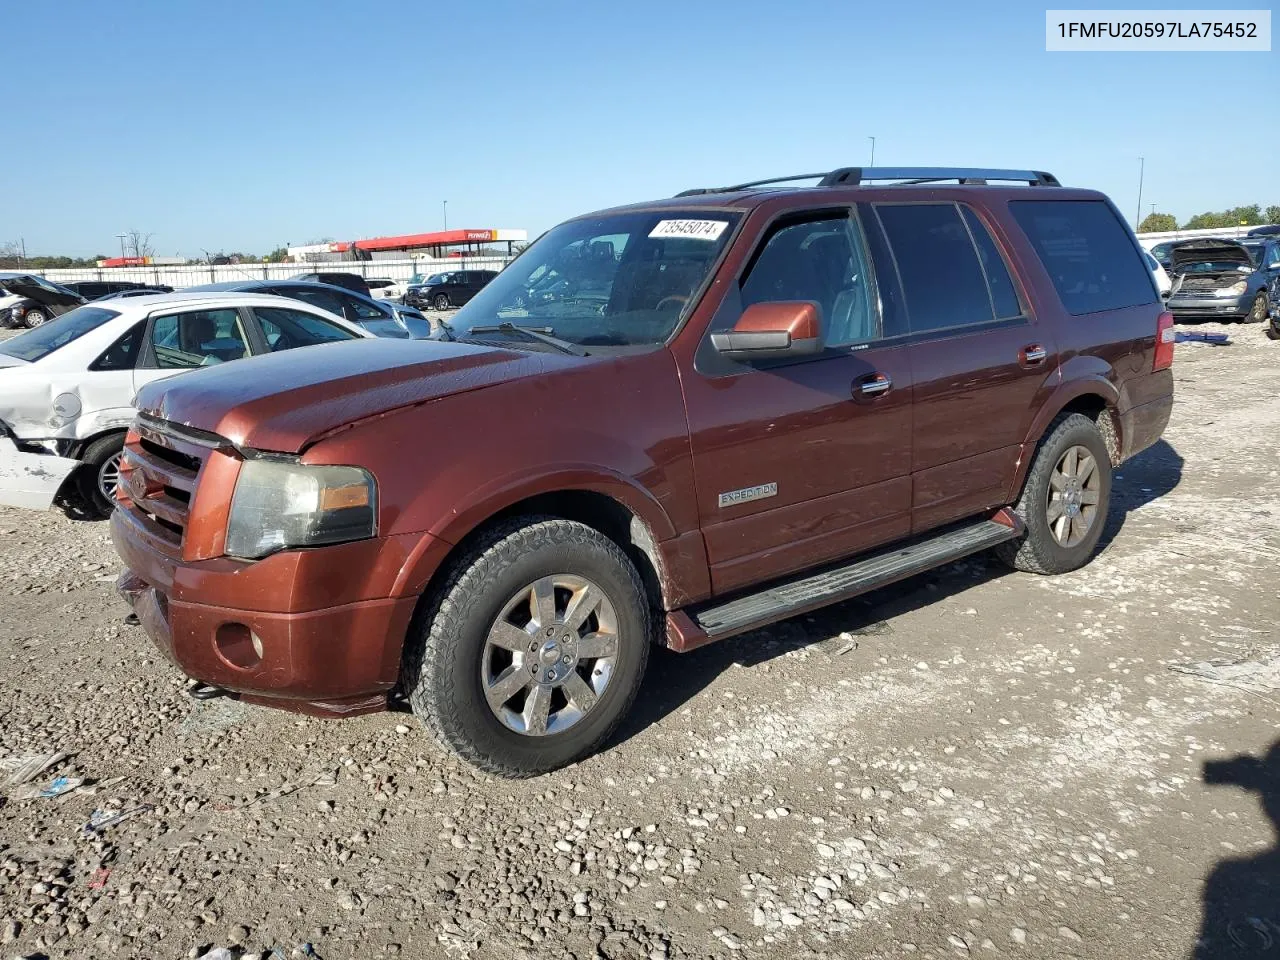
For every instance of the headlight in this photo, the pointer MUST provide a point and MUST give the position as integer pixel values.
(1234, 290)
(278, 505)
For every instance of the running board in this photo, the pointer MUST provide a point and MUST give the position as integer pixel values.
(687, 629)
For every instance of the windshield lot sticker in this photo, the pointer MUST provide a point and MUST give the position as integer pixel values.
(693, 229)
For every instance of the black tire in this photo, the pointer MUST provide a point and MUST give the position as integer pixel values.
(34, 318)
(441, 301)
(1038, 550)
(1258, 312)
(444, 653)
(97, 505)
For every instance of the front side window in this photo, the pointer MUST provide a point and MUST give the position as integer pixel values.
(622, 279)
(284, 329)
(362, 310)
(322, 299)
(820, 260)
(197, 339)
(1088, 253)
(55, 333)
(942, 278)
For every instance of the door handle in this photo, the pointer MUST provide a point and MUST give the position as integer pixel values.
(874, 385)
(1032, 355)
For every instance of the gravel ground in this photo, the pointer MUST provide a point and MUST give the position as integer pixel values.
(973, 761)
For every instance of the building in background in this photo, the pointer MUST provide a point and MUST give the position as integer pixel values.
(441, 245)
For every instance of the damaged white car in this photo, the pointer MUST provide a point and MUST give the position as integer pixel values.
(67, 386)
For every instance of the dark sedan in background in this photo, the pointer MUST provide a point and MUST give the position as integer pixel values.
(381, 318)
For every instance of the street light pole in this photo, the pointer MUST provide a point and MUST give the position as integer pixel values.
(1142, 167)
(121, 238)
(873, 150)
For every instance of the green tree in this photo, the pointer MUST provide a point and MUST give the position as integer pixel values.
(278, 255)
(1158, 222)
(1273, 213)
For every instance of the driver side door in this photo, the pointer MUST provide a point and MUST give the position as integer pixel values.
(804, 461)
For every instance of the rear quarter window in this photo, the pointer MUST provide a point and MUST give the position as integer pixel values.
(1088, 253)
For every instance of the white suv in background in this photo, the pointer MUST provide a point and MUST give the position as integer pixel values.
(384, 288)
(67, 386)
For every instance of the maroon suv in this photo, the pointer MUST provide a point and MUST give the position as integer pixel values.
(665, 423)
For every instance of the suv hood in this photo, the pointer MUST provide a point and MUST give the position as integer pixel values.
(1209, 250)
(26, 287)
(287, 401)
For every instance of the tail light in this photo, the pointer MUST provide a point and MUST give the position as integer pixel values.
(1165, 336)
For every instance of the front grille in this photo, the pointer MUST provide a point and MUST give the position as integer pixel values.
(159, 474)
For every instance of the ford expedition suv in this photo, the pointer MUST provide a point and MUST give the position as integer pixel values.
(789, 395)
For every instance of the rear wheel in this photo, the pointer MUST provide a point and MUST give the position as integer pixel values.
(441, 301)
(34, 317)
(1064, 502)
(100, 474)
(532, 651)
(1258, 312)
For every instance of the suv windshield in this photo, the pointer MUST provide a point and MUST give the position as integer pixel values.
(58, 332)
(616, 280)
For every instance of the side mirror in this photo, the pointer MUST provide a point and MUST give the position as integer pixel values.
(772, 331)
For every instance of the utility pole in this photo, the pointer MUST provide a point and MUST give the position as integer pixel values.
(1142, 168)
(445, 205)
(873, 150)
(121, 238)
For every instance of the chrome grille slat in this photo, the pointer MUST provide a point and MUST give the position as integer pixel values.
(159, 474)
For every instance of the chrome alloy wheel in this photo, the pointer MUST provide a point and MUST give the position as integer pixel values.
(549, 655)
(1075, 486)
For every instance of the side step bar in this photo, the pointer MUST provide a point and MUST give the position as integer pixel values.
(688, 629)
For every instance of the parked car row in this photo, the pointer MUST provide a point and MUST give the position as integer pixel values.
(67, 386)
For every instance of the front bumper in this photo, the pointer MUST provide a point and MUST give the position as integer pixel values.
(1208, 308)
(333, 660)
(31, 480)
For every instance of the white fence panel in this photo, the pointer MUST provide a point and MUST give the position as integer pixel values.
(194, 274)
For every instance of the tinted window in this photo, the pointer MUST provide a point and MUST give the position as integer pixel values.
(55, 333)
(285, 329)
(819, 260)
(1088, 253)
(942, 279)
(197, 339)
(123, 354)
(1004, 296)
(362, 309)
(317, 298)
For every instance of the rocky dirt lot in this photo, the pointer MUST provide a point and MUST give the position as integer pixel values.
(972, 762)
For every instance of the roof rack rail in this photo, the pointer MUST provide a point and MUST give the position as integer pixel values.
(853, 176)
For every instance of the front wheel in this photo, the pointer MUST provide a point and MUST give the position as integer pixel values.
(1065, 499)
(441, 301)
(532, 651)
(1258, 312)
(33, 318)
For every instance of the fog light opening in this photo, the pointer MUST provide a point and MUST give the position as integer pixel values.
(238, 645)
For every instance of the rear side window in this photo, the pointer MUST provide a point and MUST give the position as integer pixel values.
(123, 354)
(285, 329)
(942, 278)
(1004, 296)
(1088, 253)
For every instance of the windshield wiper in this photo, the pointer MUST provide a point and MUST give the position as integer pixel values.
(542, 334)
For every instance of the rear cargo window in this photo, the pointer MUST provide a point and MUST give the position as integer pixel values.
(1087, 252)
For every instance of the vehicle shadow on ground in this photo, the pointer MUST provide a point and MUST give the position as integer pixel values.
(674, 679)
(1242, 894)
(1148, 476)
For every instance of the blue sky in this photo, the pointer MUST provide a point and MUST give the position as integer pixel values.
(239, 126)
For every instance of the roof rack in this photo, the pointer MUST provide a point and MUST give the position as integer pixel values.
(853, 176)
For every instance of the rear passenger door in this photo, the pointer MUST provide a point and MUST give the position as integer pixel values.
(982, 361)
